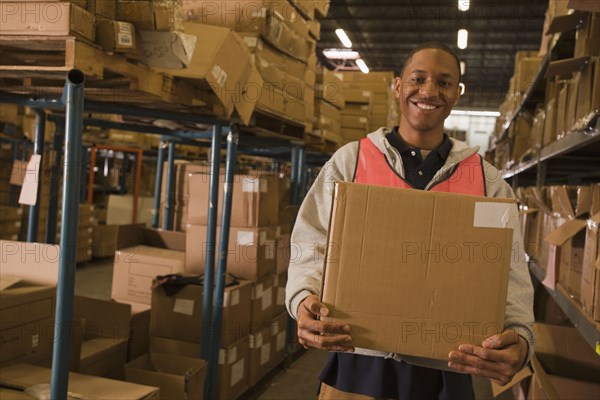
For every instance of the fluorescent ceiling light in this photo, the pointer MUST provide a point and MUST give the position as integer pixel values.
(341, 54)
(463, 68)
(475, 113)
(462, 88)
(462, 38)
(343, 38)
(463, 5)
(363, 67)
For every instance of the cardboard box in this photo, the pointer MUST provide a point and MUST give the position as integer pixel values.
(545, 386)
(27, 315)
(284, 253)
(106, 327)
(139, 331)
(251, 251)
(278, 337)
(233, 369)
(357, 96)
(590, 277)
(115, 36)
(279, 283)
(330, 88)
(259, 356)
(147, 15)
(220, 63)
(419, 314)
(46, 18)
(255, 199)
(103, 8)
(179, 316)
(570, 237)
(351, 134)
(104, 238)
(177, 377)
(142, 254)
(22, 376)
(587, 38)
(262, 303)
(171, 50)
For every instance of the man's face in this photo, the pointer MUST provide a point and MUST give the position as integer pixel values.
(427, 90)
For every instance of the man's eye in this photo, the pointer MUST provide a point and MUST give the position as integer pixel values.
(418, 80)
(445, 84)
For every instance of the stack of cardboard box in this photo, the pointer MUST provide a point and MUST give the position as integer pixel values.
(11, 220)
(329, 103)
(560, 227)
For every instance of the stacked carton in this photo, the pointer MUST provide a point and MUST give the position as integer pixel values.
(329, 102)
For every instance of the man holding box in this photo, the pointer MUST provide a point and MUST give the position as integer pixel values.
(417, 155)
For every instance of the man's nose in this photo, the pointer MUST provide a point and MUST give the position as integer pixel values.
(429, 88)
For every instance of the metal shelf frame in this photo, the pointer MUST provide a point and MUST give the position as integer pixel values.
(70, 129)
(589, 329)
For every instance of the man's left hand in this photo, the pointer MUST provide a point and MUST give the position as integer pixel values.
(498, 358)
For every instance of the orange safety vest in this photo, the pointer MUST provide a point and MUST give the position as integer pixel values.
(373, 168)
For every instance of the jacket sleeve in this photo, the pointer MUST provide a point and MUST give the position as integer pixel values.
(519, 301)
(309, 236)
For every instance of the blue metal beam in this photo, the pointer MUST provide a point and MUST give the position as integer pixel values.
(38, 149)
(160, 159)
(73, 100)
(211, 235)
(213, 362)
(167, 218)
(54, 176)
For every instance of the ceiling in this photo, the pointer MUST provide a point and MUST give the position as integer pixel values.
(385, 31)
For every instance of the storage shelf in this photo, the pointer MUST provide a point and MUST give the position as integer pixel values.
(571, 142)
(589, 329)
(518, 168)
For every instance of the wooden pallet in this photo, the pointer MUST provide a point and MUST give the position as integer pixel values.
(266, 124)
(39, 65)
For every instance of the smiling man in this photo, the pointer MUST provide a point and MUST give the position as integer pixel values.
(415, 155)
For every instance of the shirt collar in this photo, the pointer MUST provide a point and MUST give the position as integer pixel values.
(443, 150)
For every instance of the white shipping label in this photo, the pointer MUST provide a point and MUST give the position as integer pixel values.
(275, 328)
(262, 13)
(262, 237)
(265, 354)
(231, 355)
(125, 39)
(124, 27)
(235, 297)
(250, 185)
(251, 41)
(183, 306)
(226, 299)
(280, 296)
(280, 342)
(362, 120)
(29, 189)
(221, 356)
(267, 299)
(237, 372)
(35, 340)
(366, 93)
(245, 238)
(491, 215)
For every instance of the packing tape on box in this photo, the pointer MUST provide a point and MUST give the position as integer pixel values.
(265, 354)
(237, 372)
(256, 341)
(492, 215)
(270, 249)
(267, 298)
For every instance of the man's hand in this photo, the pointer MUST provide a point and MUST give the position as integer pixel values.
(499, 358)
(320, 334)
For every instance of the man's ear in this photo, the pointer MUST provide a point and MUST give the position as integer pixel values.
(397, 86)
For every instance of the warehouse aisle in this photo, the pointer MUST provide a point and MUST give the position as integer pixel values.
(296, 382)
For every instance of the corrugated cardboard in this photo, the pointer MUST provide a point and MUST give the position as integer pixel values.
(233, 369)
(104, 239)
(250, 253)
(10, 394)
(259, 357)
(278, 337)
(141, 255)
(46, 18)
(22, 376)
(106, 327)
(397, 258)
(590, 277)
(103, 8)
(140, 331)
(263, 292)
(177, 377)
(10, 213)
(115, 36)
(255, 199)
(220, 60)
(545, 386)
(172, 50)
(179, 316)
(279, 283)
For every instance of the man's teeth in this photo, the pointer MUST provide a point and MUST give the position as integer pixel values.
(425, 106)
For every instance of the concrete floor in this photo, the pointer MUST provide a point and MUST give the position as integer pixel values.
(294, 380)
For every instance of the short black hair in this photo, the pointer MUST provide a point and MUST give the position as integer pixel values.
(432, 45)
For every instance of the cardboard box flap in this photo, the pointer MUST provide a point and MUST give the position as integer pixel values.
(561, 203)
(22, 376)
(567, 22)
(6, 281)
(103, 318)
(566, 67)
(32, 262)
(14, 395)
(135, 234)
(564, 232)
(584, 5)
(519, 376)
(584, 200)
(536, 197)
(252, 84)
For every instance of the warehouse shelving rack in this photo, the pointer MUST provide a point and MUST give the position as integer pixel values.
(72, 123)
(572, 159)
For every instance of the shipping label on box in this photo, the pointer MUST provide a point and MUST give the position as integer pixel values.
(395, 281)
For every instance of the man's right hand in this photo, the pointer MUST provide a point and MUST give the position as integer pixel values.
(318, 333)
